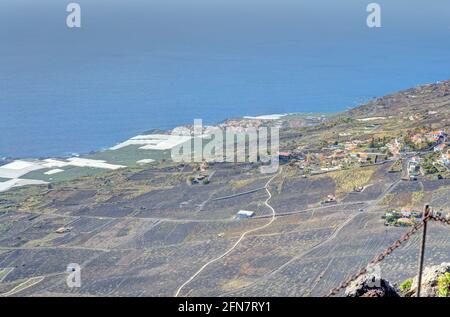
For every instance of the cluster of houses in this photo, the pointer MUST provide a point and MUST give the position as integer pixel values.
(444, 150)
(354, 152)
(242, 127)
(407, 217)
(306, 121)
(441, 149)
(440, 137)
(414, 168)
(335, 156)
(445, 158)
(433, 136)
(403, 218)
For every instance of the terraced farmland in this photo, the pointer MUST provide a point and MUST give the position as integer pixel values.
(162, 230)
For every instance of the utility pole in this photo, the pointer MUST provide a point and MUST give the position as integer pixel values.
(425, 215)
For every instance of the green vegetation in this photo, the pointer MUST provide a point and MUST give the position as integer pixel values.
(45, 241)
(444, 285)
(390, 218)
(129, 155)
(388, 199)
(395, 218)
(347, 180)
(396, 167)
(378, 143)
(406, 285)
(70, 173)
(416, 146)
(428, 163)
(417, 197)
(241, 183)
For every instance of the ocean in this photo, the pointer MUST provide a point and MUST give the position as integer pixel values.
(140, 65)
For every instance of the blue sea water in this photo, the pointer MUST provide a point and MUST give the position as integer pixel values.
(137, 65)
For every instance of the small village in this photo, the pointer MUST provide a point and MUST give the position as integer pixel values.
(419, 153)
(423, 154)
(407, 217)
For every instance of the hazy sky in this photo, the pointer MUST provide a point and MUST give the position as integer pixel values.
(142, 26)
(141, 64)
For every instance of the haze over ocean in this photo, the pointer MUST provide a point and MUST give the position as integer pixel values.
(138, 65)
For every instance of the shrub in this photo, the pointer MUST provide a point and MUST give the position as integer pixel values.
(444, 285)
(406, 285)
(347, 180)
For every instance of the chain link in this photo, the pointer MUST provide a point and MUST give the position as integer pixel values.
(380, 257)
(441, 219)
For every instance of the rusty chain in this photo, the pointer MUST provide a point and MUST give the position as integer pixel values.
(380, 257)
(441, 219)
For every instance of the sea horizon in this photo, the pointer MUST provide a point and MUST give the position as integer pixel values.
(162, 64)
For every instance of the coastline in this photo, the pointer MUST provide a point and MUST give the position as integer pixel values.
(264, 117)
(146, 148)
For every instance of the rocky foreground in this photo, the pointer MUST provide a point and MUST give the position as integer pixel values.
(435, 283)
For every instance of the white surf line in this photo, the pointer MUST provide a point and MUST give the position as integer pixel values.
(272, 219)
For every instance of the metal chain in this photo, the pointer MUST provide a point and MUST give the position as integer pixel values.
(380, 257)
(441, 219)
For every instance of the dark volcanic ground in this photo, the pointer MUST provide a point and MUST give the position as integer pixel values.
(145, 233)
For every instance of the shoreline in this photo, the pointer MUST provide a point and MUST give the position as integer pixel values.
(154, 145)
(264, 117)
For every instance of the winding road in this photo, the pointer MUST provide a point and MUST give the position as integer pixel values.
(243, 235)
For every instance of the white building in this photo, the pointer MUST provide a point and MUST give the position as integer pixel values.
(245, 214)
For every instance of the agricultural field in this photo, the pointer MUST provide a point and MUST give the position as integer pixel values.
(133, 241)
(148, 230)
